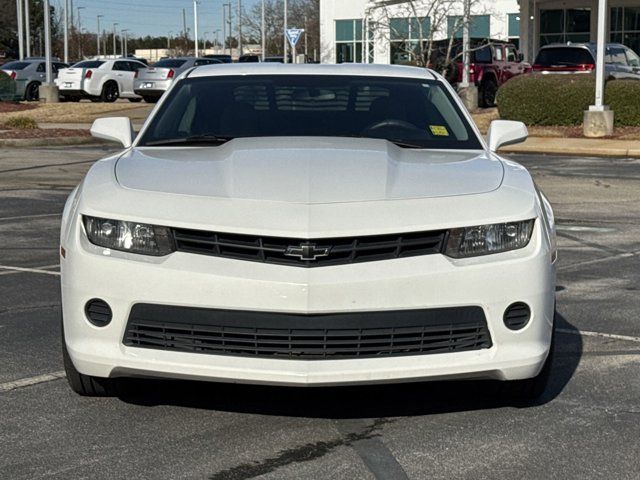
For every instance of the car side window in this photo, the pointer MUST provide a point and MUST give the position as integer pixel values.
(512, 56)
(632, 58)
(41, 67)
(618, 57)
(498, 53)
(197, 63)
(135, 66)
(121, 66)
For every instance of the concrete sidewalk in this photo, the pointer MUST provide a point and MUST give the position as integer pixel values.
(587, 147)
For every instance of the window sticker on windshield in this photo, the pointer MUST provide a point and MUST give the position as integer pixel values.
(439, 130)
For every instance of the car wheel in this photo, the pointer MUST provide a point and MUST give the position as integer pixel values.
(488, 93)
(32, 93)
(85, 385)
(149, 99)
(110, 92)
(135, 100)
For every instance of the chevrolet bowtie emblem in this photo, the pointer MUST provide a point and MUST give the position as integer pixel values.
(307, 252)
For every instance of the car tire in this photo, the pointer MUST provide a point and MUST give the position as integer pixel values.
(135, 100)
(488, 93)
(85, 385)
(149, 99)
(110, 92)
(32, 92)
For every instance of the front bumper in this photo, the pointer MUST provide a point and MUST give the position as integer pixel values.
(434, 281)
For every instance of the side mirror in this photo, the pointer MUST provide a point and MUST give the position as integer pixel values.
(115, 129)
(505, 132)
(520, 57)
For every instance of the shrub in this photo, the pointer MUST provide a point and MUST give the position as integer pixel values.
(562, 99)
(23, 123)
(7, 88)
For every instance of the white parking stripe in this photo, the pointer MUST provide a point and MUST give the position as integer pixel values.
(27, 382)
(45, 267)
(30, 270)
(613, 336)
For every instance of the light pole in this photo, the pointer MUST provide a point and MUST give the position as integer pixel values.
(27, 26)
(80, 32)
(240, 27)
(98, 33)
(195, 25)
(285, 32)
(66, 31)
(217, 34)
(20, 29)
(169, 39)
(123, 42)
(47, 43)
(115, 53)
(264, 34)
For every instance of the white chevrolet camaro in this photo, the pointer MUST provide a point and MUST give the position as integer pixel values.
(308, 225)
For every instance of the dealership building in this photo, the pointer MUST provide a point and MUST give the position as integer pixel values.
(389, 26)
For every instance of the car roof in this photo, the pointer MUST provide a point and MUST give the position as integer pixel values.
(396, 71)
(589, 45)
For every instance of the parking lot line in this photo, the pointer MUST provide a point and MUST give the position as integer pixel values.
(29, 217)
(613, 336)
(29, 381)
(31, 270)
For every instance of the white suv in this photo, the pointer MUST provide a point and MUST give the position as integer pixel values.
(308, 225)
(99, 80)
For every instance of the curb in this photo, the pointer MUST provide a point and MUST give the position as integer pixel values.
(47, 142)
(577, 147)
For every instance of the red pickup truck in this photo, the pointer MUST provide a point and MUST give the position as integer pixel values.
(492, 64)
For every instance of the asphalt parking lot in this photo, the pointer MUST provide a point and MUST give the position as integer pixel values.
(586, 426)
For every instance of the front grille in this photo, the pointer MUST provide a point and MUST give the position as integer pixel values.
(312, 252)
(307, 337)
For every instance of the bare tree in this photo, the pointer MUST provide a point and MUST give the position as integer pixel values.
(302, 14)
(419, 47)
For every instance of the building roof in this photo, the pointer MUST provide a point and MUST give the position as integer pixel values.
(289, 69)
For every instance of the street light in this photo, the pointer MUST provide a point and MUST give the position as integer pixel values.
(20, 29)
(80, 32)
(195, 24)
(264, 34)
(27, 25)
(240, 27)
(115, 53)
(98, 34)
(285, 31)
(169, 39)
(66, 31)
(123, 42)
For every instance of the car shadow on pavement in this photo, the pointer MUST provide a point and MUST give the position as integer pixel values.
(369, 401)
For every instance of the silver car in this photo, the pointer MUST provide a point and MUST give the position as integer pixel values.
(29, 74)
(152, 82)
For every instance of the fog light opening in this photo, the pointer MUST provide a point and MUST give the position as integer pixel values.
(517, 316)
(98, 312)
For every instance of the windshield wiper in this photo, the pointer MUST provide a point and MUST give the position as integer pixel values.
(399, 142)
(206, 139)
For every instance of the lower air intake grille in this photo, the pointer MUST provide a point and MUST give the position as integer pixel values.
(307, 337)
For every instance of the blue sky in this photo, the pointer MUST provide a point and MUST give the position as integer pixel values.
(152, 17)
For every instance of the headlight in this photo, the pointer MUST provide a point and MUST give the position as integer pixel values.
(488, 239)
(132, 237)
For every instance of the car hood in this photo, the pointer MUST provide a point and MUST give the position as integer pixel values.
(308, 171)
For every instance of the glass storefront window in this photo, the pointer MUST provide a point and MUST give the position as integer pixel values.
(567, 25)
(625, 27)
(405, 39)
(349, 35)
(480, 26)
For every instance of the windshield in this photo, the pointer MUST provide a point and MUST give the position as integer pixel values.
(15, 65)
(564, 56)
(171, 63)
(88, 64)
(410, 112)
